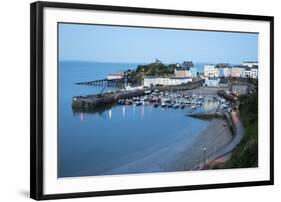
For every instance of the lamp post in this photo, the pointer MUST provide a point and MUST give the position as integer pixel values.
(204, 153)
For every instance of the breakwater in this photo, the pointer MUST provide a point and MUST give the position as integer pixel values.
(89, 102)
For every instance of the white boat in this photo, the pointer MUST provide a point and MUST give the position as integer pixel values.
(193, 107)
(176, 105)
(138, 103)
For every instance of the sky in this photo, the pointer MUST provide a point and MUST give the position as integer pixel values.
(142, 45)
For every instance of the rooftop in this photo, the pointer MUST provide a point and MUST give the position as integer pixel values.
(116, 74)
(250, 62)
(165, 77)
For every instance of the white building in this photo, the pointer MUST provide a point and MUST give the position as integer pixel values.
(115, 76)
(254, 73)
(251, 73)
(211, 71)
(212, 82)
(250, 63)
(178, 81)
(164, 81)
(247, 72)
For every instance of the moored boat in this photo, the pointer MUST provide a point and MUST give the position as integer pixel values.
(138, 103)
(175, 106)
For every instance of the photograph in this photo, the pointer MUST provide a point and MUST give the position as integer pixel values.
(137, 100)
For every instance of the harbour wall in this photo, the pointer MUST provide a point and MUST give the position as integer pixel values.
(92, 101)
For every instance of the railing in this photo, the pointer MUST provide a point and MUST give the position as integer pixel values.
(210, 155)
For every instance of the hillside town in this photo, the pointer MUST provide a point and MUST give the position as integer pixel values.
(222, 77)
(214, 74)
(216, 90)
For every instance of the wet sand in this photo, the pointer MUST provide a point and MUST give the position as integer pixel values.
(215, 136)
(182, 155)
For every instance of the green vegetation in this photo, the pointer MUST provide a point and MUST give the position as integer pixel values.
(246, 153)
(152, 69)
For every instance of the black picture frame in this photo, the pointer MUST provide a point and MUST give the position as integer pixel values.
(36, 98)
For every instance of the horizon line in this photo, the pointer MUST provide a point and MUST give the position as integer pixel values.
(204, 62)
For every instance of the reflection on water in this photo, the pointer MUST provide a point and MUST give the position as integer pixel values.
(81, 116)
(124, 111)
(109, 113)
(142, 112)
(206, 106)
(111, 135)
(134, 109)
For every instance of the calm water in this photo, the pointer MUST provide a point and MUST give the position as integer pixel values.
(96, 143)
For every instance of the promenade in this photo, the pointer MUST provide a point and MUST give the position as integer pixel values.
(238, 134)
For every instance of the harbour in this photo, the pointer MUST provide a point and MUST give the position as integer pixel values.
(125, 140)
(91, 101)
(134, 100)
(175, 115)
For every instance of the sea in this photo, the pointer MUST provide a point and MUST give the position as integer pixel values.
(98, 143)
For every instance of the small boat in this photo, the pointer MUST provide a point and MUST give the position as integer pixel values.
(128, 102)
(120, 102)
(136, 99)
(175, 106)
(163, 104)
(138, 103)
(183, 106)
(155, 105)
(193, 107)
(170, 105)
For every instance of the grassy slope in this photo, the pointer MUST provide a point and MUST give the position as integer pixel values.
(152, 69)
(246, 153)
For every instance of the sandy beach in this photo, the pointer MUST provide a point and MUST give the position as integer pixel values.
(181, 155)
(215, 136)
